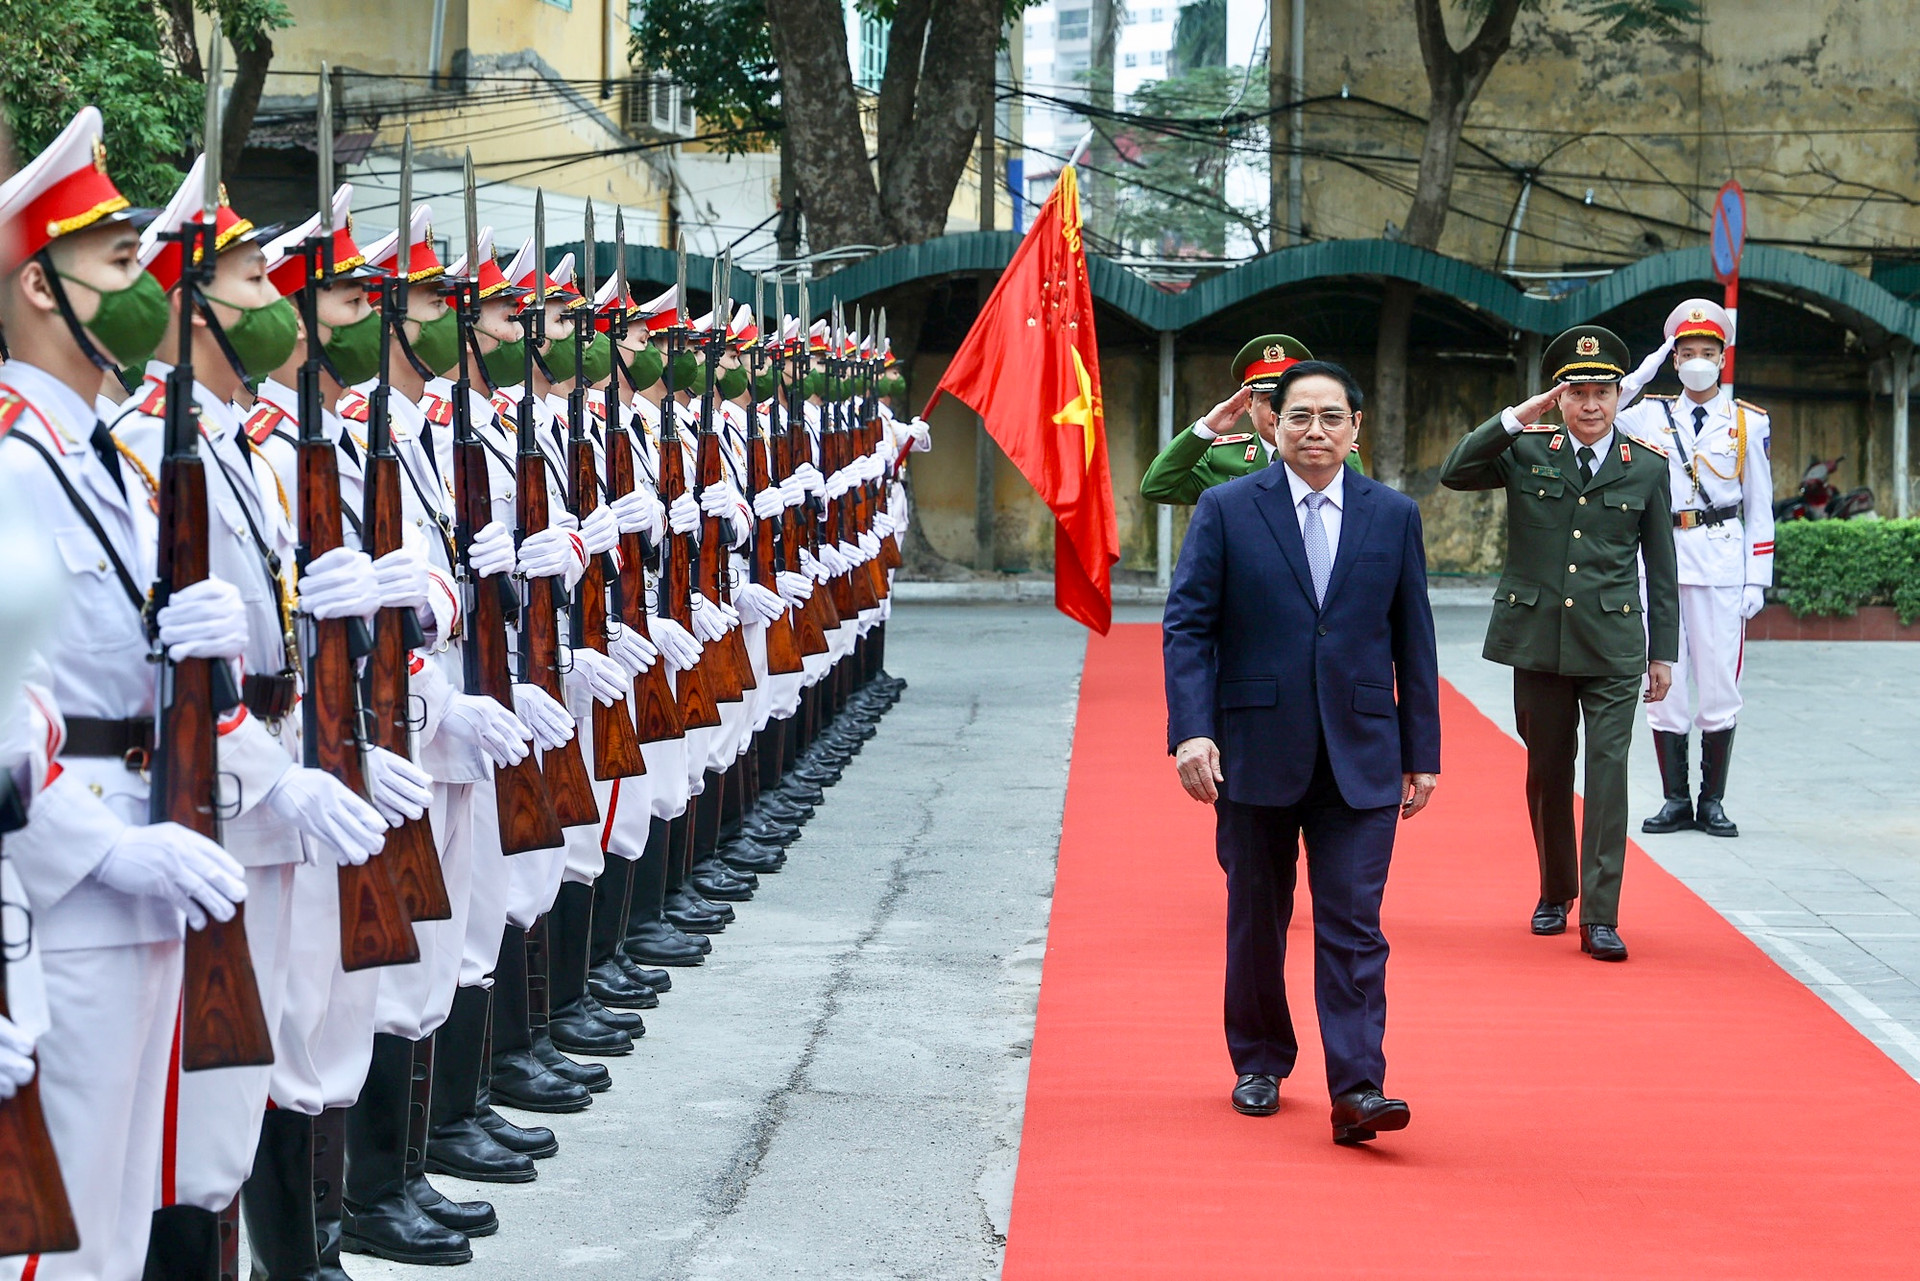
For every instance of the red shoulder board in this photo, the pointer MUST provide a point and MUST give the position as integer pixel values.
(263, 420)
(154, 403)
(12, 405)
(503, 404)
(1626, 452)
(1644, 444)
(598, 410)
(355, 406)
(1253, 450)
(438, 409)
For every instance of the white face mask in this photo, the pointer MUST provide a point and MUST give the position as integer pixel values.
(1699, 373)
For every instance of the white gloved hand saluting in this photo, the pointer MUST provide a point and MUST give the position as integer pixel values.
(16, 1058)
(640, 513)
(797, 588)
(676, 643)
(634, 652)
(479, 719)
(1632, 385)
(206, 619)
(600, 531)
(324, 808)
(550, 723)
(758, 604)
(709, 624)
(546, 554)
(683, 514)
(597, 676)
(398, 788)
(341, 584)
(1752, 600)
(491, 551)
(768, 503)
(170, 862)
(402, 575)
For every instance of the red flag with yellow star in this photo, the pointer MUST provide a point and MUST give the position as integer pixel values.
(1030, 366)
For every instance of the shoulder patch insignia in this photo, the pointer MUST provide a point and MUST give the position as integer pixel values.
(260, 423)
(1553, 445)
(354, 406)
(503, 404)
(12, 405)
(154, 403)
(438, 409)
(1236, 439)
(1626, 452)
(1647, 445)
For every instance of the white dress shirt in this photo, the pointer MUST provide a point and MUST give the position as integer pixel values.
(1336, 492)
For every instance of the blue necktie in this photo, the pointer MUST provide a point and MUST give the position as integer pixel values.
(1319, 558)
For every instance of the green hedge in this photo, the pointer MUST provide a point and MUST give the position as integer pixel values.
(1833, 567)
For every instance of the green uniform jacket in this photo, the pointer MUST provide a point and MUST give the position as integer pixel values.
(1190, 465)
(1569, 599)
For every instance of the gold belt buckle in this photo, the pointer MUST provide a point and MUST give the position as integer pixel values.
(1690, 519)
(137, 760)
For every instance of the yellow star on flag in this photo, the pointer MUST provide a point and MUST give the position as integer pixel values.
(1080, 408)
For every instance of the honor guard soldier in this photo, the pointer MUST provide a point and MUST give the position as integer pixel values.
(1585, 507)
(1722, 498)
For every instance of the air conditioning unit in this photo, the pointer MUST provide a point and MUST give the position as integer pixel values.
(658, 105)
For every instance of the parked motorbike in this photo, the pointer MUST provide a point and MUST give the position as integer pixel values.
(1820, 499)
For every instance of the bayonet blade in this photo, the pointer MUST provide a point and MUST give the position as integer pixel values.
(323, 150)
(726, 290)
(404, 249)
(620, 258)
(680, 280)
(472, 214)
(210, 129)
(880, 338)
(589, 250)
(540, 251)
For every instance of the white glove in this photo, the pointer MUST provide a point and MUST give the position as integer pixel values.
(882, 524)
(546, 554)
(797, 588)
(171, 862)
(709, 624)
(727, 611)
(922, 435)
(813, 567)
(683, 514)
(634, 652)
(833, 561)
(678, 644)
(16, 1058)
(839, 483)
(870, 544)
(597, 676)
(720, 501)
(341, 584)
(323, 807)
(1752, 600)
(402, 575)
(491, 551)
(600, 531)
(1633, 383)
(206, 619)
(758, 604)
(768, 503)
(640, 513)
(793, 491)
(550, 723)
(398, 788)
(810, 478)
(482, 720)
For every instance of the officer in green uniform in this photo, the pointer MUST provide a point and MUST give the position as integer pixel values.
(1585, 506)
(1204, 455)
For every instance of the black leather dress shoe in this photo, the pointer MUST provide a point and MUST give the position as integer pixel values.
(468, 1218)
(1602, 943)
(536, 1141)
(750, 857)
(614, 987)
(594, 1076)
(778, 810)
(626, 1020)
(1360, 1114)
(520, 1080)
(689, 910)
(1256, 1094)
(574, 1030)
(720, 884)
(1550, 918)
(463, 1149)
(658, 943)
(393, 1227)
(1711, 818)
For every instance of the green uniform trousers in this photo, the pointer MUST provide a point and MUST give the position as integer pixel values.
(1547, 708)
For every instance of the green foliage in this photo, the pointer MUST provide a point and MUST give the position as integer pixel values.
(1173, 196)
(1199, 36)
(57, 56)
(1833, 567)
(244, 21)
(1622, 19)
(721, 52)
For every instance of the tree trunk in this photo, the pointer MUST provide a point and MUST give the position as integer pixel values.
(787, 232)
(823, 124)
(918, 185)
(180, 41)
(249, 81)
(1387, 421)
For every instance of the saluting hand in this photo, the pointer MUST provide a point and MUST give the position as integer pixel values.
(1222, 416)
(1198, 761)
(1533, 410)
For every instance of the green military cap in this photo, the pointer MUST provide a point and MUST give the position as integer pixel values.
(1262, 361)
(1586, 354)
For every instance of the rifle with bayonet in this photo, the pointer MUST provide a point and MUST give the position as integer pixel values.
(658, 715)
(222, 1022)
(822, 616)
(563, 767)
(731, 662)
(521, 804)
(616, 749)
(380, 899)
(783, 646)
(694, 694)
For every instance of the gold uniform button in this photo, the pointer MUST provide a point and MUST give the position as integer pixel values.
(1626, 609)
(1573, 569)
(1576, 533)
(1583, 500)
(1512, 597)
(1543, 493)
(1569, 602)
(96, 789)
(102, 566)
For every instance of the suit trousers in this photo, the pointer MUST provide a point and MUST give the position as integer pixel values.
(1548, 708)
(1348, 852)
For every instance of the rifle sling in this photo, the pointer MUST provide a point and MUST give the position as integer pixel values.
(135, 596)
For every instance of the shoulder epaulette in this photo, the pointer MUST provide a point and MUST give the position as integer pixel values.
(355, 406)
(1652, 396)
(1240, 439)
(1749, 406)
(438, 409)
(261, 422)
(1644, 443)
(1540, 427)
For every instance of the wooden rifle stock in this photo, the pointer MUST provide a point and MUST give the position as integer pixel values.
(730, 652)
(817, 616)
(694, 696)
(563, 767)
(35, 1216)
(616, 749)
(657, 713)
(783, 647)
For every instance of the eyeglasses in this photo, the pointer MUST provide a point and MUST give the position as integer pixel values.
(1330, 420)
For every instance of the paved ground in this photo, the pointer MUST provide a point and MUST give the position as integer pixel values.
(838, 1092)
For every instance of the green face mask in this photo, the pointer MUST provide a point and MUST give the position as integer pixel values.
(763, 384)
(646, 366)
(131, 321)
(813, 384)
(507, 364)
(686, 372)
(355, 349)
(263, 337)
(559, 358)
(893, 386)
(438, 345)
(598, 361)
(731, 382)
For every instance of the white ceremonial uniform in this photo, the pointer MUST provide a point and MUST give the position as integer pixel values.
(668, 793)
(1718, 462)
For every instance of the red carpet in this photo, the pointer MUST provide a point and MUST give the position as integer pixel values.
(1693, 1113)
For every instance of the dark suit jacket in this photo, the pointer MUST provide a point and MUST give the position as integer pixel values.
(1254, 666)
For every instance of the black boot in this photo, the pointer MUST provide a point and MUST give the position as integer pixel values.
(536, 1141)
(517, 1077)
(329, 1180)
(277, 1200)
(593, 1076)
(611, 979)
(650, 939)
(571, 1023)
(473, 1218)
(1670, 750)
(456, 1143)
(1716, 753)
(381, 1218)
(183, 1245)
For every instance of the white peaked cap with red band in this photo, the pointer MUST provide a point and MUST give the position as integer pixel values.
(160, 257)
(520, 272)
(742, 328)
(422, 262)
(62, 190)
(284, 264)
(660, 313)
(1700, 318)
(818, 337)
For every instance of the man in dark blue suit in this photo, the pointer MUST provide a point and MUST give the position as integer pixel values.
(1303, 698)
